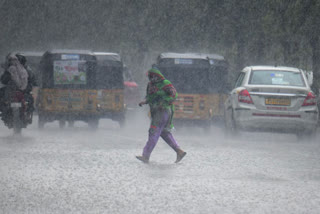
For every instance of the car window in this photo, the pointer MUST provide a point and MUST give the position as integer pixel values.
(286, 78)
(239, 79)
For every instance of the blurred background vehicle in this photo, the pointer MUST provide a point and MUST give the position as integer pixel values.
(33, 62)
(68, 88)
(131, 90)
(219, 84)
(200, 80)
(110, 86)
(274, 99)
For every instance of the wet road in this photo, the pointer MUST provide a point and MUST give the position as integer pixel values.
(76, 170)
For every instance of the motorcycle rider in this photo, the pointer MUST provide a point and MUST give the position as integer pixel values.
(31, 82)
(15, 78)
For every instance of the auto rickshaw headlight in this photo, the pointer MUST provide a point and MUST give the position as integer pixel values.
(49, 100)
(98, 107)
(117, 98)
(210, 112)
(201, 105)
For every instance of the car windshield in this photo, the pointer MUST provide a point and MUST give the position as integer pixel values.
(285, 78)
(189, 76)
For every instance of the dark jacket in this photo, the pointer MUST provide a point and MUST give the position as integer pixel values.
(31, 79)
(6, 78)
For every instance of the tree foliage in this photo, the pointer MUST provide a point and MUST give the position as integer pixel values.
(246, 32)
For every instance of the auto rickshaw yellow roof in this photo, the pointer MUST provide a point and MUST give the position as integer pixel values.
(191, 56)
(215, 56)
(108, 56)
(183, 55)
(69, 51)
(29, 53)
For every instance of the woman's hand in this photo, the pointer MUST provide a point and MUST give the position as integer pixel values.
(142, 103)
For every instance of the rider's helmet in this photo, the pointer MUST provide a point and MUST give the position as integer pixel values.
(22, 59)
(11, 60)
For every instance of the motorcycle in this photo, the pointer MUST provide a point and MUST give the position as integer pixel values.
(16, 114)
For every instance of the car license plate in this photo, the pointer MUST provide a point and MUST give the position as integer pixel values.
(278, 101)
(15, 105)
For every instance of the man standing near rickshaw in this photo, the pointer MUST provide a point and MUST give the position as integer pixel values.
(160, 97)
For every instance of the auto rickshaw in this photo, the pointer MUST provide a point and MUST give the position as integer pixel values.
(33, 61)
(68, 88)
(219, 85)
(110, 86)
(195, 77)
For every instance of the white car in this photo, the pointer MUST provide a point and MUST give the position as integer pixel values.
(270, 98)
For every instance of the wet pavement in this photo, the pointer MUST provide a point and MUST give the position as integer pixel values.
(77, 170)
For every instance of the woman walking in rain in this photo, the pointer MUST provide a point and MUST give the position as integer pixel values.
(160, 97)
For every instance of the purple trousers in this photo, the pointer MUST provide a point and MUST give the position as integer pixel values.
(160, 123)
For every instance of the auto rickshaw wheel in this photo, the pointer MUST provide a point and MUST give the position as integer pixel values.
(122, 123)
(70, 123)
(41, 122)
(207, 126)
(62, 123)
(93, 123)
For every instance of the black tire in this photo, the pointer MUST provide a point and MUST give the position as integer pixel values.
(122, 123)
(207, 126)
(41, 122)
(17, 130)
(71, 123)
(62, 124)
(93, 124)
(17, 123)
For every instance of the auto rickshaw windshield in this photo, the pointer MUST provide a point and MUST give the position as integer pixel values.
(68, 71)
